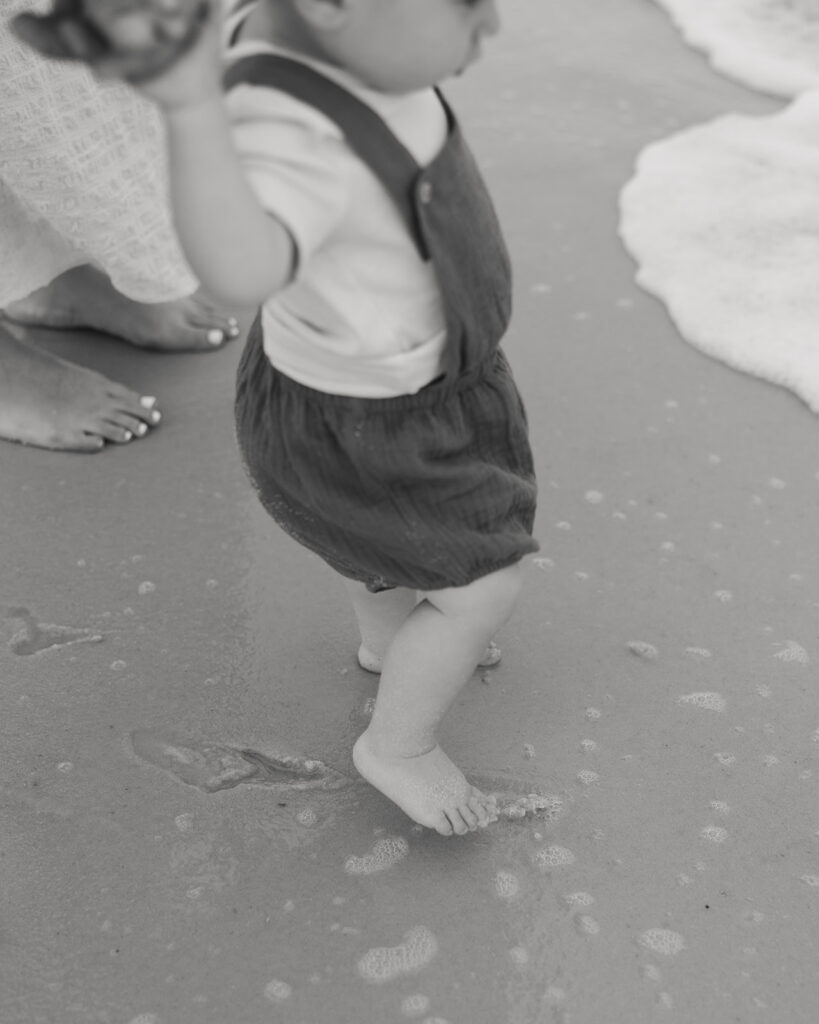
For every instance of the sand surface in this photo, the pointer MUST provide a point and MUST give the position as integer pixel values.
(166, 854)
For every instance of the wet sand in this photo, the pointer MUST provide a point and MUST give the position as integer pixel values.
(168, 857)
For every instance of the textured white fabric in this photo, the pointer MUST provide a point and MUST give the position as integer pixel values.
(364, 316)
(82, 179)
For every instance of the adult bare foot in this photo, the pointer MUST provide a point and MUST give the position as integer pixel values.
(47, 402)
(85, 297)
(428, 787)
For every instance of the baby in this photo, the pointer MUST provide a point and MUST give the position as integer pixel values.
(325, 180)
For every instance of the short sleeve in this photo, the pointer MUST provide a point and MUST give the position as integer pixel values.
(295, 160)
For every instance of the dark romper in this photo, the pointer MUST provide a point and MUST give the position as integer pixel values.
(429, 490)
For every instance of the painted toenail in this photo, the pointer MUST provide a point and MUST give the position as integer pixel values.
(127, 435)
(147, 401)
(156, 417)
(142, 429)
(216, 337)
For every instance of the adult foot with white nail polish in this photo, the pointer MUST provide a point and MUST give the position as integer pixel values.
(50, 403)
(84, 297)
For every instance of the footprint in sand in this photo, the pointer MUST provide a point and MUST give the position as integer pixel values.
(212, 767)
(34, 636)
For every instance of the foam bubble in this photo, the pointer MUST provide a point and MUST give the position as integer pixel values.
(594, 497)
(698, 652)
(652, 973)
(811, 880)
(543, 563)
(146, 587)
(720, 807)
(593, 714)
(146, 1018)
(307, 817)
(714, 834)
(643, 650)
(587, 925)
(792, 651)
(384, 854)
(554, 857)
(662, 941)
(184, 822)
(385, 963)
(277, 991)
(507, 885)
(415, 1005)
(707, 701)
(578, 899)
(587, 777)
(725, 759)
(519, 955)
(588, 745)
(528, 751)
(724, 596)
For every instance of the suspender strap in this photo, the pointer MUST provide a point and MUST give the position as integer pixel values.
(365, 132)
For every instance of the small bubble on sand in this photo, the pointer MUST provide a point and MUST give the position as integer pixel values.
(662, 941)
(707, 701)
(210, 584)
(415, 1005)
(519, 955)
(643, 650)
(368, 707)
(195, 893)
(665, 1000)
(725, 759)
(544, 806)
(554, 996)
(434, 1020)
(593, 714)
(724, 596)
(587, 777)
(277, 991)
(587, 925)
(764, 691)
(714, 459)
(385, 963)
(507, 885)
(145, 1018)
(668, 546)
(685, 880)
(651, 972)
(554, 857)
(528, 751)
(307, 817)
(543, 563)
(563, 525)
(792, 651)
(118, 666)
(578, 899)
(776, 484)
(811, 880)
(184, 822)
(65, 767)
(594, 497)
(714, 834)
(770, 760)
(720, 807)
(698, 652)
(384, 854)
(146, 587)
(588, 746)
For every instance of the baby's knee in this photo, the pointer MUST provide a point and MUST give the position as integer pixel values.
(488, 601)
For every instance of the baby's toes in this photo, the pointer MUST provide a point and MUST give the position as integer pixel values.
(441, 824)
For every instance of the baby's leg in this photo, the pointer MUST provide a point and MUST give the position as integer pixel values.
(379, 618)
(430, 660)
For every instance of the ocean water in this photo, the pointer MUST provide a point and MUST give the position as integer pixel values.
(723, 218)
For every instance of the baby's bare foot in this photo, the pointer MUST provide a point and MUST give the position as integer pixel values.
(371, 662)
(47, 402)
(84, 297)
(428, 787)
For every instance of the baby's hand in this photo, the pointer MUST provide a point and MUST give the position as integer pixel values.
(135, 40)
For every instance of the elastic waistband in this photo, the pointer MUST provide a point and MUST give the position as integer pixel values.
(435, 393)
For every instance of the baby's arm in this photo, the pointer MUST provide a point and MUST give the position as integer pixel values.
(241, 254)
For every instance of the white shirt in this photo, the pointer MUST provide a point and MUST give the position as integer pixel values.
(363, 316)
